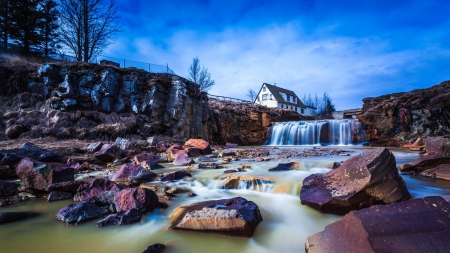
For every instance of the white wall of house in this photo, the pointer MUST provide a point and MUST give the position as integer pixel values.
(310, 111)
(266, 98)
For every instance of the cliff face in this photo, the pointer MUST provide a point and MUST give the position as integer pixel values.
(90, 101)
(403, 116)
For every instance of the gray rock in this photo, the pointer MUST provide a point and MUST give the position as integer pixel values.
(122, 143)
(128, 217)
(108, 153)
(69, 87)
(57, 195)
(132, 174)
(94, 147)
(76, 213)
(119, 105)
(155, 248)
(8, 188)
(107, 104)
(109, 83)
(96, 96)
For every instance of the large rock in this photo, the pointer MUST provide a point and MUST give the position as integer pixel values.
(118, 219)
(68, 88)
(142, 199)
(133, 174)
(78, 212)
(235, 217)
(175, 175)
(8, 188)
(425, 162)
(203, 145)
(38, 175)
(182, 158)
(149, 161)
(100, 191)
(108, 153)
(437, 145)
(417, 225)
(6, 217)
(361, 181)
(12, 156)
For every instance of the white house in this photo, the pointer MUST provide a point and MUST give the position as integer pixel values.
(273, 96)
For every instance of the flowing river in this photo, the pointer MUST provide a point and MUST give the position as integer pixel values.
(285, 227)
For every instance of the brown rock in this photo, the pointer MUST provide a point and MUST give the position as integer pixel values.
(175, 175)
(133, 174)
(199, 143)
(108, 153)
(417, 225)
(235, 217)
(142, 199)
(182, 158)
(425, 162)
(286, 166)
(361, 181)
(435, 145)
(443, 171)
(149, 161)
(69, 186)
(100, 191)
(118, 219)
(38, 175)
(8, 188)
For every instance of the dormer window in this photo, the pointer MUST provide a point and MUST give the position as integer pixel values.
(264, 88)
(264, 97)
(288, 98)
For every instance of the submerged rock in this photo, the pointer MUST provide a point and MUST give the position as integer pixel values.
(38, 175)
(100, 191)
(235, 217)
(286, 166)
(417, 225)
(78, 212)
(142, 199)
(6, 217)
(155, 248)
(128, 217)
(366, 179)
(132, 174)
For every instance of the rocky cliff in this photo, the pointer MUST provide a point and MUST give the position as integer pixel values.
(404, 116)
(91, 101)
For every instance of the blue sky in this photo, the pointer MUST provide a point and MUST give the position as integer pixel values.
(349, 49)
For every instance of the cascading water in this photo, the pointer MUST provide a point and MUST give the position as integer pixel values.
(318, 132)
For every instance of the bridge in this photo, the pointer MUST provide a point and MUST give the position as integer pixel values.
(347, 114)
(229, 99)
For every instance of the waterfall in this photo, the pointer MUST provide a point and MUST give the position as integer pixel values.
(318, 132)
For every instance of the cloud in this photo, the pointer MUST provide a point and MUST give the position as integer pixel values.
(347, 68)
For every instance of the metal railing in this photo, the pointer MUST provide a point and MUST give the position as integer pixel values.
(122, 63)
(229, 99)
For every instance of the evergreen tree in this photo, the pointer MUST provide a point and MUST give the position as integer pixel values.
(26, 19)
(49, 27)
(5, 23)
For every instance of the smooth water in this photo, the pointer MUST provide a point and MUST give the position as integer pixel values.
(317, 132)
(286, 223)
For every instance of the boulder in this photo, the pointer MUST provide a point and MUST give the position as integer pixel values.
(361, 181)
(69, 87)
(149, 161)
(108, 153)
(425, 162)
(109, 83)
(69, 186)
(182, 158)
(118, 219)
(38, 175)
(441, 171)
(6, 217)
(99, 191)
(94, 147)
(122, 143)
(199, 143)
(57, 195)
(133, 174)
(8, 188)
(175, 175)
(235, 217)
(155, 248)
(78, 212)
(417, 225)
(193, 152)
(11, 157)
(437, 145)
(142, 199)
(286, 166)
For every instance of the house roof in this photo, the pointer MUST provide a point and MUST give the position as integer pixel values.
(275, 90)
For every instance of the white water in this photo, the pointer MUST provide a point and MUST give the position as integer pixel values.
(318, 132)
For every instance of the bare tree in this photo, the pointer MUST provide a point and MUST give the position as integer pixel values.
(200, 75)
(251, 94)
(87, 26)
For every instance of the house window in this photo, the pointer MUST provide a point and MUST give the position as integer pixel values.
(264, 97)
(288, 98)
(303, 111)
(293, 99)
(270, 96)
(264, 88)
